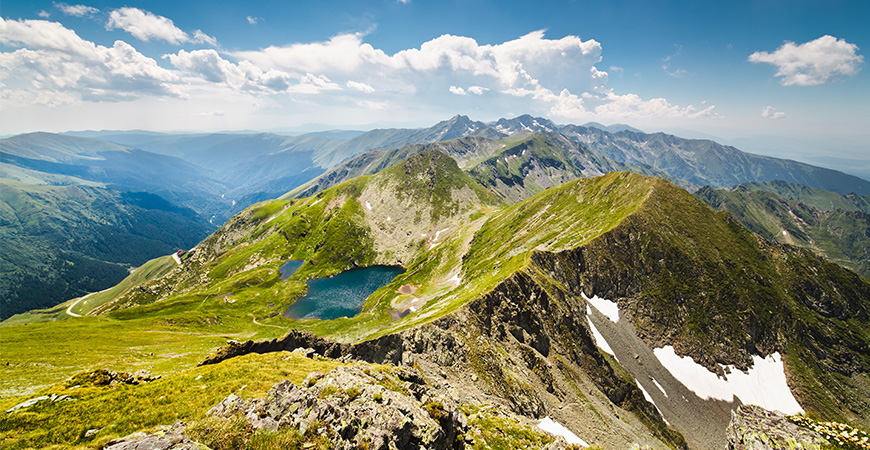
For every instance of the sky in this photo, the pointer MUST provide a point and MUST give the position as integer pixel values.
(787, 78)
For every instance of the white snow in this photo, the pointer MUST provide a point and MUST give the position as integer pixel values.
(599, 339)
(455, 280)
(763, 385)
(645, 393)
(553, 427)
(524, 153)
(606, 307)
(316, 202)
(438, 233)
(368, 205)
(649, 398)
(656, 382)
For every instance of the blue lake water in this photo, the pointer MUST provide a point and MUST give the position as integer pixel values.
(342, 295)
(289, 268)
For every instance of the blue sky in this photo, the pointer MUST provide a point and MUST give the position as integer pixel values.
(768, 70)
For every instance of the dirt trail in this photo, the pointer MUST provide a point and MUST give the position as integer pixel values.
(254, 319)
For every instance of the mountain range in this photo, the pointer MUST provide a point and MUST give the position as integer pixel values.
(550, 274)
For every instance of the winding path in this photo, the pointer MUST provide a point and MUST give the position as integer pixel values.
(254, 319)
(69, 309)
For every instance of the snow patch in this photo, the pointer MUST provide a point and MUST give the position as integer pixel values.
(763, 385)
(656, 382)
(606, 307)
(553, 427)
(649, 399)
(438, 233)
(455, 280)
(316, 202)
(368, 205)
(599, 339)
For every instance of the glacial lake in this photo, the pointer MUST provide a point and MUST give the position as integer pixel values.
(290, 267)
(342, 295)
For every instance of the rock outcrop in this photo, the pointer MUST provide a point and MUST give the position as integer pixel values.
(755, 428)
(358, 407)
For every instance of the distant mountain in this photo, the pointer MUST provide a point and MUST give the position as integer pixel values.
(706, 162)
(525, 123)
(820, 198)
(840, 235)
(615, 128)
(467, 151)
(515, 168)
(61, 242)
(71, 160)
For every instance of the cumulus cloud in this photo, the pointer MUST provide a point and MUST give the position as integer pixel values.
(144, 25)
(477, 90)
(814, 62)
(362, 87)
(44, 14)
(632, 106)
(76, 10)
(557, 75)
(210, 66)
(54, 65)
(771, 112)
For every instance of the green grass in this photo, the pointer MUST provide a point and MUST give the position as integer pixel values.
(119, 410)
(152, 269)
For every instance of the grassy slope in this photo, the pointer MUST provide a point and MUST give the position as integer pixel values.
(820, 198)
(83, 305)
(841, 236)
(119, 410)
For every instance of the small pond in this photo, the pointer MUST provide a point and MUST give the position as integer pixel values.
(342, 295)
(289, 268)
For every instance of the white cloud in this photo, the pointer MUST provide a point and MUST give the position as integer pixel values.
(144, 25)
(200, 37)
(814, 62)
(617, 70)
(477, 90)
(44, 14)
(210, 66)
(456, 90)
(771, 112)
(404, 2)
(76, 10)
(254, 20)
(362, 87)
(373, 105)
(55, 66)
(632, 106)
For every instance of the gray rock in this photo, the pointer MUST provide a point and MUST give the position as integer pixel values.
(755, 428)
(168, 438)
(359, 406)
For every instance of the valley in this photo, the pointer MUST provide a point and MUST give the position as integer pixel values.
(543, 274)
